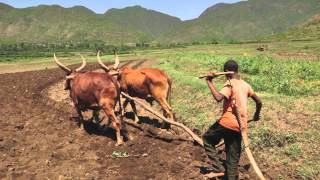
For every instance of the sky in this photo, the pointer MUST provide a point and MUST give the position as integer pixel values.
(183, 9)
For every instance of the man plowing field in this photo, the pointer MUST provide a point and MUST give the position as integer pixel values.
(232, 126)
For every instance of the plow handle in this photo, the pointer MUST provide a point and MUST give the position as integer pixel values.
(217, 74)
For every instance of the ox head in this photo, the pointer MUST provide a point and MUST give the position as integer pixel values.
(114, 71)
(70, 74)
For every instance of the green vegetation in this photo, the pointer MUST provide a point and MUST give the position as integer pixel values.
(12, 52)
(245, 20)
(230, 23)
(154, 24)
(286, 139)
(308, 30)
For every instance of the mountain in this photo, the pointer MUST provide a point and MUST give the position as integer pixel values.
(56, 24)
(242, 21)
(245, 20)
(309, 30)
(153, 23)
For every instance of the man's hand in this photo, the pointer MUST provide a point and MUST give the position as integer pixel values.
(256, 117)
(210, 76)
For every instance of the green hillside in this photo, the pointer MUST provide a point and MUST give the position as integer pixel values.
(56, 24)
(153, 23)
(309, 30)
(246, 20)
(241, 21)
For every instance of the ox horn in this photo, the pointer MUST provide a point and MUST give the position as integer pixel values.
(104, 67)
(84, 63)
(63, 67)
(117, 61)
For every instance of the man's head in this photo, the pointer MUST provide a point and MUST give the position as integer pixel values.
(231, 65)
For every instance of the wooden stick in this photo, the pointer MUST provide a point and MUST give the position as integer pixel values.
(245, 138)
(185, 128)
(217, 74)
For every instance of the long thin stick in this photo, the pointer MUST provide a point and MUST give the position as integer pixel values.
(217, 74)
(245, 138)
(194, 136)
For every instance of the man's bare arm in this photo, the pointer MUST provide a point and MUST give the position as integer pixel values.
(216, 94)
(258, 102)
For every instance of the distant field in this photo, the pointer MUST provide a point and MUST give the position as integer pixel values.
(307, 50)
(285, 75)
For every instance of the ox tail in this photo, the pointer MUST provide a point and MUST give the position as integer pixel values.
(169, 91)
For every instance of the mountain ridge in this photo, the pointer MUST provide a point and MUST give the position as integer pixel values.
(241, 21)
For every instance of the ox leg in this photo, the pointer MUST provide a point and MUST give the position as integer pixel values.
(167, 112)
(134, 109)
(124, 128)
(116, 124)
(125, 104)
(96, 116)
(121, 111)
(80, 119)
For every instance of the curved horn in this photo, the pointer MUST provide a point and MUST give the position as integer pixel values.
(63, 67)
(84, 63)
(104, 67)
(117, 61)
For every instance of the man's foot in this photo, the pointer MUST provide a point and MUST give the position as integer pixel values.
(213, 175)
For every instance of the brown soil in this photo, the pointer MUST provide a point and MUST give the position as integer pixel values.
(39, 139)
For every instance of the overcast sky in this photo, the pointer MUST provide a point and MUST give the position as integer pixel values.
(183, 9)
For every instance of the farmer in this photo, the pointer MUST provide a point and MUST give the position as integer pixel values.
(227, 127)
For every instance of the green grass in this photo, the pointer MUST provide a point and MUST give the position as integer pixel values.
(286, 137)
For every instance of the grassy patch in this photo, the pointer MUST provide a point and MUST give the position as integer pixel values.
(282, 137)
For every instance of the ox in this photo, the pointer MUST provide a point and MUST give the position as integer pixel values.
(146, 83)
(93, 91)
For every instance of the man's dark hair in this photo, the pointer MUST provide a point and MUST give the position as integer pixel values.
(230, 65)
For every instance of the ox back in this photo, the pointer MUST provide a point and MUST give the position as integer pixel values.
(90, 87)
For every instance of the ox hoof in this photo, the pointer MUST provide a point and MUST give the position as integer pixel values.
(161, 131)
(119, 143)
(136, 121)
(81, 131)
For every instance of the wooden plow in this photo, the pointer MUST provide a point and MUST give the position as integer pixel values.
(245, 139)
(180, 125)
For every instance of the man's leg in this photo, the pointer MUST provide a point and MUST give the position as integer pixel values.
(233, 151)
(211, 138)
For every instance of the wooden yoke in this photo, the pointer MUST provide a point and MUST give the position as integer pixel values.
(185, 128)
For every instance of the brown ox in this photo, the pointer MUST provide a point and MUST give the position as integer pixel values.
(147, 83)
(93, 91)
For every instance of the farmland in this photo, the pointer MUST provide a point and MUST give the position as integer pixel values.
(285, 142)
